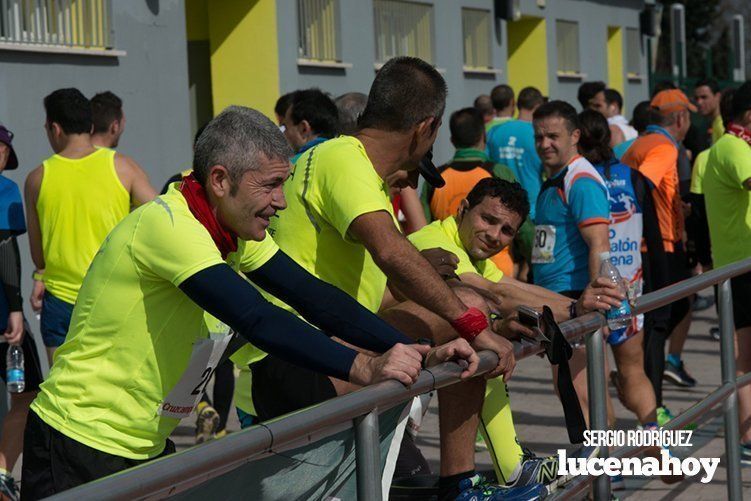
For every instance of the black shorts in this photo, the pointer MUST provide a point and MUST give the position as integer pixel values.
(53, 462)
(279, 387)
(677, 271)
(699, 247)
(741, 287)
(32, 367)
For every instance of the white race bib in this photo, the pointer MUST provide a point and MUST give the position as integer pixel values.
(544, 244)
(183, 398)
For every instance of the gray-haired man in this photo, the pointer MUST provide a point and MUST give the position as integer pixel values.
(137, 335)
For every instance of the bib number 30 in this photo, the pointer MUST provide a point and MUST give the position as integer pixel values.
(544, 244)
(183, 398)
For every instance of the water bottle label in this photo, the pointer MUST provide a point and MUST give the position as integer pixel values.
(15, 375)
(623, 311)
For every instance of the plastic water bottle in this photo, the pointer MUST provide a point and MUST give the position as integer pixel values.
(618, 318)
(16, 380)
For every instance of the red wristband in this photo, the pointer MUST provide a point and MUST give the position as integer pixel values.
(470, 324)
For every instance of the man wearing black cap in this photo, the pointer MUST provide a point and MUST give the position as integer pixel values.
(340, 226)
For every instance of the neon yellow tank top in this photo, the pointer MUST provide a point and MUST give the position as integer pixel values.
(80, 201)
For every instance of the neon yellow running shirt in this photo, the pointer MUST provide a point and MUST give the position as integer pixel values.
(496, 420)
(80, 201)
(133, 330)
(445, 235)
(331, 185)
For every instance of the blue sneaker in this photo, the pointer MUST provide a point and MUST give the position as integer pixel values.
(537, 470)
(678, 375)
(475, 488)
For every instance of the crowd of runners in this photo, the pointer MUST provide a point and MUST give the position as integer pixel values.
(310, 250)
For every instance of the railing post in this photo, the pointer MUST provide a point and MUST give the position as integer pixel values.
(730, 406)
(598, 413)
(368, 457)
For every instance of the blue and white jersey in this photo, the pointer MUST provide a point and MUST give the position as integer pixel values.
(574, 198)
(626, 232)
(626, 220)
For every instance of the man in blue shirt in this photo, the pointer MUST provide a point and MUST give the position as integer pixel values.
(311, 118)
(502, 100)
(573, 213)
(512, 143)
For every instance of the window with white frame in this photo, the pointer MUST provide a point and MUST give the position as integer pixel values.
(567, 42)
(476, 29)
(403, 29)
(633, 53)
(318, 30)
(85, 24)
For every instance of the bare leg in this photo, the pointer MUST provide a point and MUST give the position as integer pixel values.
(460, 404)
(11, 441)
(743, 366)
(634, 389)
(459, 409)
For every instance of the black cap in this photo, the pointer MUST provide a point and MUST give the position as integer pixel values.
(6, 137)
(429, 171)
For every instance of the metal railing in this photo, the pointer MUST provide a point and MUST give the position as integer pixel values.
(180, 472)
(83, 24)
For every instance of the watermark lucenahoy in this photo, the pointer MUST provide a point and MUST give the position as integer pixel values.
(647, 466)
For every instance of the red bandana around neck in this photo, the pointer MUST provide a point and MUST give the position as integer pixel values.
(740, 132)
(198, 203)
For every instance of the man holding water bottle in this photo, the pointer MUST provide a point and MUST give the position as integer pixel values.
(572, 218)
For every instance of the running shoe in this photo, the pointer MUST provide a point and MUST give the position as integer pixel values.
(701, 303)
(746, 454)
(207, 422)
(663, 416)
(677, 375)
(475, 488)
(544, 470)
(536, 470)
(8, 488)
(714, 333)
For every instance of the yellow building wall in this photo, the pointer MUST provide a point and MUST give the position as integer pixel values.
(615, 58)
(528, 54)
(244, 54)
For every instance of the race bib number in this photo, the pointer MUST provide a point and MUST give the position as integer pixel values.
(544, 244)
(203, 361)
